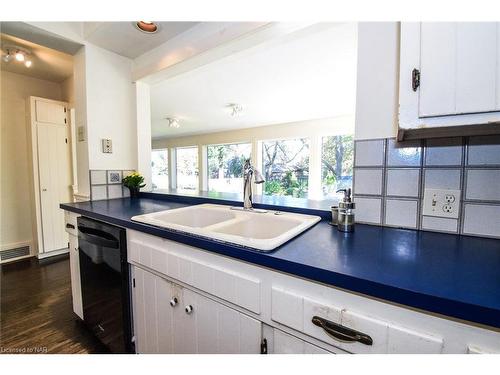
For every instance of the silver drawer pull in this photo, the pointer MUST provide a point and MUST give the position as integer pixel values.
(189, 309)
(173, 302)
(341, 332)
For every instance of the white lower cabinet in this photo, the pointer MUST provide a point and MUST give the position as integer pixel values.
(235, 305)
(169, 318)
(74, 263)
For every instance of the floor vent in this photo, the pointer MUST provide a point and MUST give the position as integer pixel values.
(14, 253)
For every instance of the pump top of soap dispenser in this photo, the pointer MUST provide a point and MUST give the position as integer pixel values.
(346, 202)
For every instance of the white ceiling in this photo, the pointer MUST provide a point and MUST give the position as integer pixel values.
(124, 39)
(306, 75)
(48, 63)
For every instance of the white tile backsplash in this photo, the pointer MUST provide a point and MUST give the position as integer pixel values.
(368, 181)
(97, 177)
(403, 154)
(98, 192)
(444, 152)
(482, 220)
(484, 150)
(470, 165)
(483, 184)
(369, 153)
(115, 191)
(368, 210)
(442, 179)
(401, 213)
(439, 224)
(403, 182)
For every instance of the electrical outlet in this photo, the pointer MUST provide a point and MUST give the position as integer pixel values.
(441, 203)
(107, 146)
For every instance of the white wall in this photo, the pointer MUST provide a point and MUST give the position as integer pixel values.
(110, 96)
(16, 199)
(377, 80)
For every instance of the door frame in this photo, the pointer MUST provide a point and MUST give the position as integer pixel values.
(36, 201)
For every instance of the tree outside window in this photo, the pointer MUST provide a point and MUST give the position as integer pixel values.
(225, 166)
(286, 167)
(159, 169)
(187, 168)
(336, 163)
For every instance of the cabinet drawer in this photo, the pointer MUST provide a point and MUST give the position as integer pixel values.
(167, 257)
(70, 224)
(292, 310)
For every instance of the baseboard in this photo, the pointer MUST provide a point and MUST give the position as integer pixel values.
(53, 253)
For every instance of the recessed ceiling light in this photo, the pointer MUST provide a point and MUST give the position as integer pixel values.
(147, 26)
(28, 63)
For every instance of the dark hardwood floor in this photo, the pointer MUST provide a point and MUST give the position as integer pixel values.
(36, 314)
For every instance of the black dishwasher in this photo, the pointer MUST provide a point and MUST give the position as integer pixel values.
(104, 275)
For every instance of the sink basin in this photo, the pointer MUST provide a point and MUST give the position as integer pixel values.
(263, 231)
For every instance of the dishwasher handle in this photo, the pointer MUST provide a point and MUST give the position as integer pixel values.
(98, 237)
(341, 332)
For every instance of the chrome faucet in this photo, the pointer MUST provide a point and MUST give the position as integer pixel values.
(250, 171)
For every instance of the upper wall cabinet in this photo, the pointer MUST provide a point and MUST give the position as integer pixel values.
(449, 79)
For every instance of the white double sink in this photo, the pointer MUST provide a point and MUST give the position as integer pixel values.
(263, 231)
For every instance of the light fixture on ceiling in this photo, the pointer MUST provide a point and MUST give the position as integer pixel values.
(18, 54)
(173, 122)
(234, 108)
(148, 27)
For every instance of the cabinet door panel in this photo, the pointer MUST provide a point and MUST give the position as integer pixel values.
(438, 70)
(458, 64)
(185, 330)
(164, 316)
(476, 67)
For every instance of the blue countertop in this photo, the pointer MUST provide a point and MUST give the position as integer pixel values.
(457, 276)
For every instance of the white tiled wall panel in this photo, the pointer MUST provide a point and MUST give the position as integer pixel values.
(481, 220)
(484, 150)
(442, 179)
(369, 153)
(443, 152)
(401, 213)
(368, 210)
(440, 224)
(483, 184)
(368, 181)
(403, 182)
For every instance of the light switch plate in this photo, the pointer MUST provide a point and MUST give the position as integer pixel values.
(441, 203)
(107, 146)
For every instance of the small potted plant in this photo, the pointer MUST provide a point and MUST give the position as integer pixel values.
(134, 182)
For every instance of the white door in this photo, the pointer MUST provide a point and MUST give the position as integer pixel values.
(54, 171)
(459, 65)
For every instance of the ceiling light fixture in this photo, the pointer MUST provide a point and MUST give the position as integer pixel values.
(17, 54)
(235, 108)
(147, 26)
(173, 122)
(20, 56)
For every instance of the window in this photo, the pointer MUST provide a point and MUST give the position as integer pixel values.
(286, 167)
(159, 169)
(336, 164)
(225, 166)
(187, 168)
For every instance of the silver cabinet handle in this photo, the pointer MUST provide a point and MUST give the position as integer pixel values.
(189, 309)
(174, 301)
(341, 332)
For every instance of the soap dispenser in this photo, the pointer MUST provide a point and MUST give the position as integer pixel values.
(345, 221)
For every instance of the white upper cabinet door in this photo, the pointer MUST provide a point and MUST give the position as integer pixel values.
(51, 112)
(458, 66)
(449, 76)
